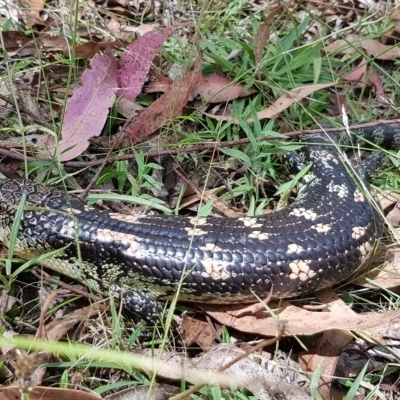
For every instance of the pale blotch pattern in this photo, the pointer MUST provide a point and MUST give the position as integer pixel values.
(198, 221)
(107, 236)
(301, 270)
(250, 222)
(302, 212)
(69, 229)
(258, 235)
(358, 196)
(294, 248)
(321, 228)
(214, 270)
(210, 247)
(125, 218)
(341, 190)
(365, 250)
(358, 232)
(195, 232)
(325, 157)
(73, 211)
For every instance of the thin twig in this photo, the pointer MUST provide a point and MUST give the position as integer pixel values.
(194, 148)
(25, 110)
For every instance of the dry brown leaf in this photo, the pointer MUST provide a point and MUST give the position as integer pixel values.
(157, 391)
(17, 43)
(342, 46)
(222, 208)
(213, 88)
(190, 198)
(380, 51)
(46, 393)
(32, 10)
(195, 331)
(391, 330)
(262, 36)
(394, 216)
(387, 199)
(338, 102)
(7, 302)
(128, 108)
(217, 88)
(90, 49)
(326, 353)
(144, 28)
(385, 276)
(325, 356)
(373, 48)
(376, 82)
(281, 104)
(57, 329)
(207, 196)
(296, 320)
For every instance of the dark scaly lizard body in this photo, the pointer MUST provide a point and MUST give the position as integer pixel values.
(323, 237)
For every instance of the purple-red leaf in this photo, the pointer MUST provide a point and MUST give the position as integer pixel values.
(88, 107)
(167, 107)
(136, 60)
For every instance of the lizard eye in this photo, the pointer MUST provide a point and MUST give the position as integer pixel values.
(3, 208)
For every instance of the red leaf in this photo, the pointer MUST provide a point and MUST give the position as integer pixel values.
(167, 107)
(136, 60)
(88, 107)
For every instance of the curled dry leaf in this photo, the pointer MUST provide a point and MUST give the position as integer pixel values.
(161, 391)
(384, 276)
(262, 36)
(89, 49)
(193, 330)
(373, 48)
(387, 199)
(16, 42)
(393, 217)
(58, 328)
(324, 357)
(7, 302)
(216, 88)
(158, 86)
(281, 104)
(213, 88)
(46, 393)
(31, 12)
(296, 320)
(375, 80)
(172, 366)
(266, 381)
